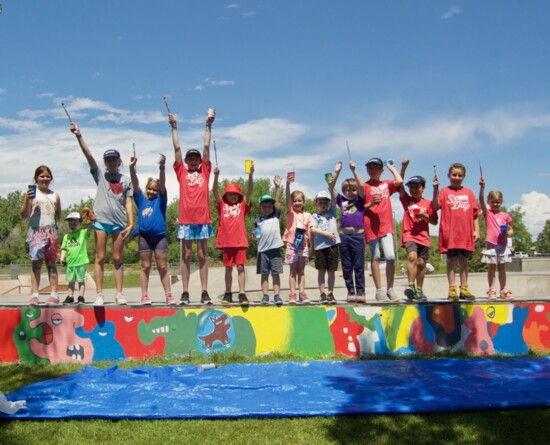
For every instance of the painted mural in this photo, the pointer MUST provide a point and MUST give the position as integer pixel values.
(86, 335)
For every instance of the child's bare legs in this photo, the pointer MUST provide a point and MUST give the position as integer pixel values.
(146, 258)
(187, 247)
(264, 278)
(321, 280)
(118, 247)
(276, 283)
(463, 264)
(35, 276)
(420, 272)
(70, 289)
(81, 288)
(375, 271)
(100, 253)
(52, 275)
(228, 278)
(301, 275)
(241, 277)
(412, 268)
(491, 270)
(162, 267)
(292, 277)
(451, 266)
(502, 275)
(390, 273)
(203, 263)
(331, 279)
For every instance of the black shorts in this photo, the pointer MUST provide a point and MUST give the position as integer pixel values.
(421, 251)
(452, 253)
(148, 243)
(327, 258)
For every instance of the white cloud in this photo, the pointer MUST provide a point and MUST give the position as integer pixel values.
(96, 75)
(222, 82)
(249, 14)
(265, 134)
(537, 211)
(3, 91)
(47, 95)
(199, 87)
(18, 125)
(232, 5)
(451, 12)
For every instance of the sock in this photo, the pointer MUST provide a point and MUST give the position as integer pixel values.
(411, 284)
(35, 294)
(54, 294)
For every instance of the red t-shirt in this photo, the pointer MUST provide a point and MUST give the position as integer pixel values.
(458, 211)
(415, 229)
(232, 230)
(194, 194)
(378, 218)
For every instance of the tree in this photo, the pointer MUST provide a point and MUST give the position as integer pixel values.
(543, 240)
(522, 239)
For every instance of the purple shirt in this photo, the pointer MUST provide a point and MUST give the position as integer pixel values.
(351, 212)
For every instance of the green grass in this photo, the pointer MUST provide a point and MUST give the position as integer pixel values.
(482, 427)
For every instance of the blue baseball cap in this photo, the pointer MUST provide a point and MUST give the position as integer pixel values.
(376, 161)
(111, 154)
(417, 180)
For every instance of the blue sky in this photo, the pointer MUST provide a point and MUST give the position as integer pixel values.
(433, 81)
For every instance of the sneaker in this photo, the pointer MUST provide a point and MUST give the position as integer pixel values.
(99, 300)
(360, 298)
(506, 294)
(119, 299)
(351, 298)
(391, 294)
(34, 301)
(81, 300)
(68, 300)
(410, 293)
(465, 293)
(453, 294)
(278, 300)
(243, 301)
(205, 298)
(380, 295)
(492, 294)
(420, 295)
(323, 298)
(145, 300)
(331, 299)
(184, 297)
(303, 298)
(52, 300)
(227, 298)
(265, 299)
(171, 300)
(292, 299)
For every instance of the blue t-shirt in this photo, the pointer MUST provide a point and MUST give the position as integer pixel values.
(151, 214)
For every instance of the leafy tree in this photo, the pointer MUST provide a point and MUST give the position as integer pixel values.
(522, 239)
(543, 240)
(12, 229)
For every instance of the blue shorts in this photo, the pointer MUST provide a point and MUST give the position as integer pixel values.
(107, 228)
(195, 231)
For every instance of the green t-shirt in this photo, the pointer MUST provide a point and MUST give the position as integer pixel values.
(74, 243)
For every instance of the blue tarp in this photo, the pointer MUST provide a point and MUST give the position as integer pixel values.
(290, 389)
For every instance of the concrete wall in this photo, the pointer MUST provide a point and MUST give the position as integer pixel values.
(86, 335)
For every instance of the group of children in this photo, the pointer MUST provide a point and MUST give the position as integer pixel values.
(366, 218)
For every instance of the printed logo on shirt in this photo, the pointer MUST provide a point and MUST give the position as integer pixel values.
(194, 179)
(231, 211)
(73, 242)
(147, 212)
(458, 202)
(348, 208)
(381, 190)
(115, 186)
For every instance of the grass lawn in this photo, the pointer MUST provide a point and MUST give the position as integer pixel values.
(482, 427)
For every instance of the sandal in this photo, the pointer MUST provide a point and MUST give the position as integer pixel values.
(506, 294)
(492, 294)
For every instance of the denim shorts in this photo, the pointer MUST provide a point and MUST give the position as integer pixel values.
(195, 231)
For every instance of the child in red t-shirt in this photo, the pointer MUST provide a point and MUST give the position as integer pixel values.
(195, 223)
(232, 236)
(458, 229)
(415, 234)
(379, 227)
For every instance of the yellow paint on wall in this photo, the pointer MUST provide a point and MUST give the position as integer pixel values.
(400, 334)
(495, 313)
